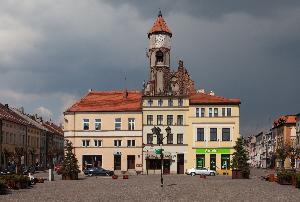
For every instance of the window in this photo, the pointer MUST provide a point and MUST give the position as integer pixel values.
(97, 124)
(117, 143)
(223, 112)
(180, 120)
(200, 134)
(180, 102)
(225, 134)
(170, 102)
(160, 102)
(159, 139)
(159, 119)
(130, 143)
(86, 124)
(150, 102)
(98, 143)
(85, 143)
(149, 119)
(216, 112)
(228, 111)
(210, 112)
(159, 56)
(170, 139)
(225, 161)
(200, 160)
(202, 112)
(118, 124)
(179, 138)
(149, 138)
(197, 112)
(131, 122)
(169, 120)
(213, 134)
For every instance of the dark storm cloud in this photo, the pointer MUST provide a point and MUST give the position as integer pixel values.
(52, 52)
(209, 8)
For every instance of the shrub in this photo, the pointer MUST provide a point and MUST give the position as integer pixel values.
(2, 186)
(297, 176)
(285, 177)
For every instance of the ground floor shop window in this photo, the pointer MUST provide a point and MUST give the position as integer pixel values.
(153, 164)
(200, 160)
(225, 161)
(91, 161)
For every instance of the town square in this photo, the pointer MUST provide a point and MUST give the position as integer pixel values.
(164, 101)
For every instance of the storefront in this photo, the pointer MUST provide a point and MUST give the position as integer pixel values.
(153, 162)
(214, 158)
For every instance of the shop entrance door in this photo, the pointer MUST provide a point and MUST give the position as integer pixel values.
(213, 162)
(130, 162)
(117, 162)
(200, 161)
(166, 168)
(180, 163)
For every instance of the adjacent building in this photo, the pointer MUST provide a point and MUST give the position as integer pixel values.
(213, 125)
(284, 131)
(24, 138)
(106, 130)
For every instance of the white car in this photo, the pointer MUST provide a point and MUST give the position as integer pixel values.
(201, 171)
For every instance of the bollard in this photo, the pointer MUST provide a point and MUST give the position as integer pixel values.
(51, 175)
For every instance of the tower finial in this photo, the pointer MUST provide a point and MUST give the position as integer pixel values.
(159, 13)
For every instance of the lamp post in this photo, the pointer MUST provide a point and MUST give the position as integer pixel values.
(156, 131)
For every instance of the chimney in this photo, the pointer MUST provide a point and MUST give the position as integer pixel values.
(211, 93)
(125, 94)
(90, 90)
(6, 105)
(201, 91)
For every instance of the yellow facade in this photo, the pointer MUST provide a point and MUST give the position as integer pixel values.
(212, 150)
(74, 131)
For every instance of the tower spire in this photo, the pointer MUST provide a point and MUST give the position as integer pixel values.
(159, 13)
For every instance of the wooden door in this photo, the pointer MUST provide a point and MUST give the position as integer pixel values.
(130, 162)
(180, 163)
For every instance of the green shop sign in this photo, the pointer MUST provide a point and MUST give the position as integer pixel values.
(213, 151)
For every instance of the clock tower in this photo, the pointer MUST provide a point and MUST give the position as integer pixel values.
(159, 55)
(162, 80)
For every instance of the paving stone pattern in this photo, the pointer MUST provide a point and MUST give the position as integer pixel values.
(147, 188)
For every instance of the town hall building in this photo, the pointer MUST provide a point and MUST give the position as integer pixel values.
(198, 129)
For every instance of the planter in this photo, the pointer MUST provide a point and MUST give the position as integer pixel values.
(271, 177)
(239, 174)
(114, 177)
(294, 181)
(284, 182)
(125, 176)
(73, 176)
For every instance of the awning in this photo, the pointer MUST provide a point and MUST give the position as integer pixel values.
(153, 155)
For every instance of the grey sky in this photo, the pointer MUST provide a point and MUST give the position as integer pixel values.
(52, 51)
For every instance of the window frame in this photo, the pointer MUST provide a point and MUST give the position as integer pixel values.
(180, 137)
(160, 102)
(149, 120)
(180, 102)
(170, 139)
(197, 112)
(210, 112)
(200, 136)
(211, 132)
(98, 121)
(148, 136)
(131, 123)
(86, 124)
(228, 110)
(159, 120)
(170, 102)
(170, 120)
(202, 112)
(180, 120)
(224, 132)
(216, 112)
(118, 122)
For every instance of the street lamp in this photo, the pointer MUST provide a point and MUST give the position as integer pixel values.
(156, 131)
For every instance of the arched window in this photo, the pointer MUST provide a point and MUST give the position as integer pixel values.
(159, 56)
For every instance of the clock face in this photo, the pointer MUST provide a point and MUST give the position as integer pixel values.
(159, 40)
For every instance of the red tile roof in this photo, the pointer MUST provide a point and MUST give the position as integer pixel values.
(108, 101)
(287, 119)
(159, 26)
(203, 98)
(9, 115)
(53, 128)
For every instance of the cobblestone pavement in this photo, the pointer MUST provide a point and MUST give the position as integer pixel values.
(147, 188)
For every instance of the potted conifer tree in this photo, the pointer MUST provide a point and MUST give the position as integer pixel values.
(240, 165)
(70, 168)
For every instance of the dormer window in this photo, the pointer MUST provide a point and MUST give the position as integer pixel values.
(159, 56)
